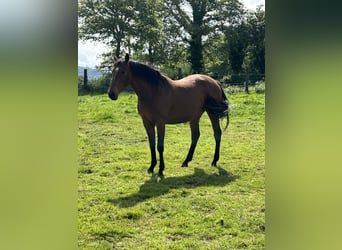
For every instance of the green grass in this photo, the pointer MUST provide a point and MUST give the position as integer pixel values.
(120, 206)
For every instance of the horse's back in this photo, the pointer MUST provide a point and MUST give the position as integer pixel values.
(199, 84)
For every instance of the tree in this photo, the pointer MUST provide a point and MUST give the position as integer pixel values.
(130, 24)
(237, 39)
(208, 36)
(256, 23)
(108, 21)
(148, 28)
(216, 56)
(196, 19)
(245, 42)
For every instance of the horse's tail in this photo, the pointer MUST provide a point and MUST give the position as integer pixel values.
(218, 108)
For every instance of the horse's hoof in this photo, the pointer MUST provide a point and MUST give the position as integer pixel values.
(161, 175)
(213, 164)
(149, 171)
(184, 165)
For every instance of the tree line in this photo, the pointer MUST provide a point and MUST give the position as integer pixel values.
(217, 37)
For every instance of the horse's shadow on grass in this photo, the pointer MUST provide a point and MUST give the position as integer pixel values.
(155, 187)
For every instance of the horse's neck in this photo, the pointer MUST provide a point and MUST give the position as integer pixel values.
(142, 88)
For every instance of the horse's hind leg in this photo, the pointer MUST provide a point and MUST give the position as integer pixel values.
(195, 134)
(215, 122)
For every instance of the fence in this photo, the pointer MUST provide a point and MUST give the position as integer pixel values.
(239, 80)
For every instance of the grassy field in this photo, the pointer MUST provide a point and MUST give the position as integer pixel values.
(120, 206)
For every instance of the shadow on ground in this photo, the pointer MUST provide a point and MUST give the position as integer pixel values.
(156, 187)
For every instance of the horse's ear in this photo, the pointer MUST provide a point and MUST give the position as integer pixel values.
(127, 57)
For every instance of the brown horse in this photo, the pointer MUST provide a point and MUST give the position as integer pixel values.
(164, 101)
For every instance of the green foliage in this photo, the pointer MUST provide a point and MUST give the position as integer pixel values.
(95, 86)
(149, 28)
(106, 21)
(216, 64)
(236, 43)
(256, 23)
(176, 72)
(120, 206)
(260, 87)
(218, 38)
(245, 43)
(200, 19)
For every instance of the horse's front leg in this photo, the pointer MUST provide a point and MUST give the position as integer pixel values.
(152, 141)
(160, 147)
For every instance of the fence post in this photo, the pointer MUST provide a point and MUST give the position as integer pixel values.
(247, 80)
(85, 79)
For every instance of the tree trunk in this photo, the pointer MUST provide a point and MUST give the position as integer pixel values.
(150, 56)
(118, 48)
(196, 56)
(179, 73)
(196, 48)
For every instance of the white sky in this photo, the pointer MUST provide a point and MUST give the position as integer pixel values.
(89, 52)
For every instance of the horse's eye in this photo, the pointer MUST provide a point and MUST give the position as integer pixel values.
(122, 72)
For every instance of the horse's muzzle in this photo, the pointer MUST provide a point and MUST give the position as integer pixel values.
(112, 96)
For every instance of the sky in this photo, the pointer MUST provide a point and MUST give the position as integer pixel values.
(89, 52)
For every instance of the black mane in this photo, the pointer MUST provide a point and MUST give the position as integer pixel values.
(150, 75)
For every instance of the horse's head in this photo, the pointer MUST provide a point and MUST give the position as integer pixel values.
(120, 77)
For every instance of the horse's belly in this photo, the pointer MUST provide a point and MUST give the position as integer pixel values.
(175, 120)
(183, 113)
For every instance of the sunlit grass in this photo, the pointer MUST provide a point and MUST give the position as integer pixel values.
(199, 207)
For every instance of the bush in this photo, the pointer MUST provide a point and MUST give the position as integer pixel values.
(260, 87)
(234, 89)
(95, 86)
